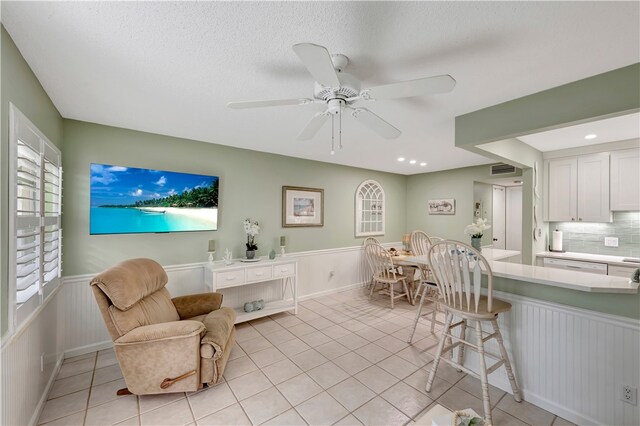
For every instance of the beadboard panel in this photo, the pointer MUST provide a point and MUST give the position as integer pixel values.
(569, 361)
(319, 272)
(24, 385)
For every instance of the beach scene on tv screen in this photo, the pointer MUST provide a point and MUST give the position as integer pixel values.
(127, 200)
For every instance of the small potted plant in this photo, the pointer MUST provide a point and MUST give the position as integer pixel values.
(475, 230)
(251, 228)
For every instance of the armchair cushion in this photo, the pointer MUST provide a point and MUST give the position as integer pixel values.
(153, 309)
(197, 304)
(163, 331)
(219, 325)
(130, 281)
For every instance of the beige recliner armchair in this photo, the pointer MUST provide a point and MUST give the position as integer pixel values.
(162, 344)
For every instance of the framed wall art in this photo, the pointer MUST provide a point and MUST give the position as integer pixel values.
(302, 207)
(442, 206)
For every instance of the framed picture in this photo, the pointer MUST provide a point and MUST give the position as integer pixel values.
(443, 206)
(302, 206)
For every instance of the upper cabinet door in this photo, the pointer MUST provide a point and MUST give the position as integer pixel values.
(593, 188)
(625, 180)
(562, 189)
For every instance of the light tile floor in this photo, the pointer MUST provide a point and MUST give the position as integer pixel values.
(342, 360)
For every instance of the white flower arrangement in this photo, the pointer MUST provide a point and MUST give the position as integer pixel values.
(477, 228)
(251, 228)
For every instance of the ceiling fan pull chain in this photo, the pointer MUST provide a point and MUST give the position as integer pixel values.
(340, 129)
(333, 133)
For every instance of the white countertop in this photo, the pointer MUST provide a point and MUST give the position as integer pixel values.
(601, 258)
(581, 281)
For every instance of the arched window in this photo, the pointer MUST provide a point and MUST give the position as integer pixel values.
(369, 209)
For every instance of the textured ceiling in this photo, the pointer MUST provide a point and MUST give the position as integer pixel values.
(171, 68)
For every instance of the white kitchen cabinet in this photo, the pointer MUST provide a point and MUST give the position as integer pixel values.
(578, 188)
(625, 180)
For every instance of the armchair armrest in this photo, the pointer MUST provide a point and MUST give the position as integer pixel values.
(197, 304)
(162, 331)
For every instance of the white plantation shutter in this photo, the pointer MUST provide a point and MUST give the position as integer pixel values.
(34, 223)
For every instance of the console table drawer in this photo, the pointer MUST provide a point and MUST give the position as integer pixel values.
(230, 278)
(259, 274)
(284, 270)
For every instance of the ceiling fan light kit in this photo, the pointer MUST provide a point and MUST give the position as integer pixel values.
(339, 91)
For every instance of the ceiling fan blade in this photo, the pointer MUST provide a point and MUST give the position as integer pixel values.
(313, 126)
(375, 123)
(406, 89)
(260, 104)
(318, 62)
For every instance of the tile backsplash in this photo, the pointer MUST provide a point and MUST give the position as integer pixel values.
(589, 237)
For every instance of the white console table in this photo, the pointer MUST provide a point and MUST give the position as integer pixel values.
(219, 276)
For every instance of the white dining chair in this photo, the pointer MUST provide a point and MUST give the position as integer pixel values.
(426, 288)
(385, 274)
(457, 269)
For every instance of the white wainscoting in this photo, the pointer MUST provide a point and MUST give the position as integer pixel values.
(320, 272)
(569, 361)
(24, 385)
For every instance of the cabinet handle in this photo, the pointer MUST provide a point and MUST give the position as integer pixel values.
(284, 270)
(259, 274)
(580, 219)
(573, 219)
(231, 278)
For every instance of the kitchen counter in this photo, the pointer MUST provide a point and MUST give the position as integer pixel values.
(581, 281)
(586, 257)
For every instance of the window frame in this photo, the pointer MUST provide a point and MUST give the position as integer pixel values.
(23, 132)
(365, 188)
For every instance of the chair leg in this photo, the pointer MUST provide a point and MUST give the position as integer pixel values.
(517, 394)
(436, 361)
(418, 313)
(373, 287)
(434, 311)
(391, 288)
(407, 292)
(483, 374)
(463, 334)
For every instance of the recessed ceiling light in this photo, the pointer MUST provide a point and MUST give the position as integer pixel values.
(423, 164)
(412, 162)
(591, 136)
(400, 158)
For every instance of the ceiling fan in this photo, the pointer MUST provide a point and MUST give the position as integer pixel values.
(340, 91)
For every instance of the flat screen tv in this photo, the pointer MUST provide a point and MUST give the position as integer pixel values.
(127, 200)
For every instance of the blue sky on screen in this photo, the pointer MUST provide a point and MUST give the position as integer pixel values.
(115, 185)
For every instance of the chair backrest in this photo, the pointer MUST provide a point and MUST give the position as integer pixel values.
(420, 243)
(380, 261)
(458, 268)
(370, 240)
(132, 294)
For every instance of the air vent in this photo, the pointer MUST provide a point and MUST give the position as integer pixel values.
(502, 169)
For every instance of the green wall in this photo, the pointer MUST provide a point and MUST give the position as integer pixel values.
(21, 87)
(456, 183)
(250, 186)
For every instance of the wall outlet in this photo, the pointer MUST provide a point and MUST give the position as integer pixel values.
(629, 395)
(611, 241)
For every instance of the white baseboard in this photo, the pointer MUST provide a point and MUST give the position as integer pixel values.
(330, 291)
(107, 344)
